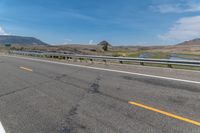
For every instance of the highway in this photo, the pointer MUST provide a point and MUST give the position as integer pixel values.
(39, 96)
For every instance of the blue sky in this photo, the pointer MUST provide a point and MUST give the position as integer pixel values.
(121, 22)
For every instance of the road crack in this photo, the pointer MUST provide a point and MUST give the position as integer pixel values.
(94, 87)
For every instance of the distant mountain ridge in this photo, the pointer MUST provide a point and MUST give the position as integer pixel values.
(191, 42)
(20, 40)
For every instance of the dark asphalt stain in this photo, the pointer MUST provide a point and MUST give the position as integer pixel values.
(118, 88)
(71, 125)
(86, 88)
(94, 87)
(60, 76)
(164, 83)
(73, 112)
(67, 125)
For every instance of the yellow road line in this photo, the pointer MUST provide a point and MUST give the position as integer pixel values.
(165, 113)
(27, 69)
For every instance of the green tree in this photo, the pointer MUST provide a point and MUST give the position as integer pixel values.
(104, 45)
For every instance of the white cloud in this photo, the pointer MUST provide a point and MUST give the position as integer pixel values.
(2, 31)
(177, 8)
(184, 29)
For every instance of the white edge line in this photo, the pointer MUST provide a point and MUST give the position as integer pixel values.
(2, 130)
(154, 67)
(110, 70)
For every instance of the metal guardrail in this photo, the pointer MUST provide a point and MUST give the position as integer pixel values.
(167, 62)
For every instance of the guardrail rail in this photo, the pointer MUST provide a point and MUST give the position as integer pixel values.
(167, 62)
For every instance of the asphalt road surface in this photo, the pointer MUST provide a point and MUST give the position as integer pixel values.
(44, 97)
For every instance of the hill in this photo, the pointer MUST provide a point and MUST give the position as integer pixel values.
(103, 43)
(191, 47)
(20, 40)
(195, 42)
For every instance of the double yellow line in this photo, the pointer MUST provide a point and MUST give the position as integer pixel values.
(165, 113)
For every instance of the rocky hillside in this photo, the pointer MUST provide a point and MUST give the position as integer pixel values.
(20, 40)
(191, 42)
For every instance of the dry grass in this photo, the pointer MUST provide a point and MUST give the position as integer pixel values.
(127, 51)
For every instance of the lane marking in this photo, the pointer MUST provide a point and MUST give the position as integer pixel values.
(110, 70)
(2, 130)
(27, 69)
(165, 113)
(132, 73)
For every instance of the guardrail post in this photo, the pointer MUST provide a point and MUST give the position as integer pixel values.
(81, 59)
(142, 63)
(91, 58)
(105, 61)
(169, 65)
(91, 61)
